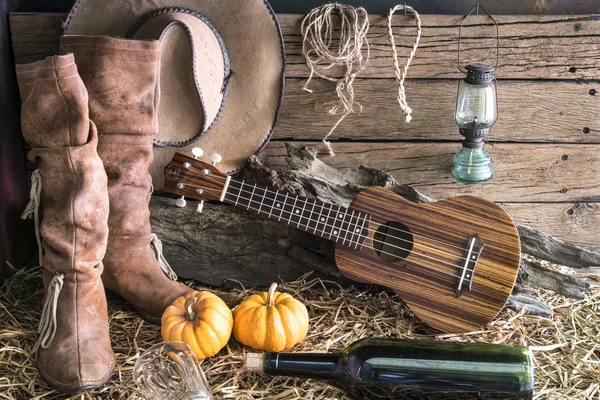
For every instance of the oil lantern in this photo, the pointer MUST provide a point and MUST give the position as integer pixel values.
(476, 112)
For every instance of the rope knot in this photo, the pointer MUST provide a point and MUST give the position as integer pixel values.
(164, 265)
(47, 327)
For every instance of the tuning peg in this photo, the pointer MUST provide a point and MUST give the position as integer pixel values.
(200, 206)
(180, 202)
(197, 152)
(215, 158)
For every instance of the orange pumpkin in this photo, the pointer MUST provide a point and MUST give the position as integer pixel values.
(200, 319)
(270, 321)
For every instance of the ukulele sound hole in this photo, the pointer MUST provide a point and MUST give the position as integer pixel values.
(393, 241)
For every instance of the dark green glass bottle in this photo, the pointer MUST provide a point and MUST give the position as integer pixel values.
(380, 368)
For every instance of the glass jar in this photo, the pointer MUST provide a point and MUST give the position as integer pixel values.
(170, 370)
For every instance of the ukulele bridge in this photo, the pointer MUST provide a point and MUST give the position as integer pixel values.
(470, 262)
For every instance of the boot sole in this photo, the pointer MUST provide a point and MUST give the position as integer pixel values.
(145, 315)
(77, 389)
(148, 317)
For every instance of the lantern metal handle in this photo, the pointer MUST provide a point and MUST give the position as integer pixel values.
(476, 8)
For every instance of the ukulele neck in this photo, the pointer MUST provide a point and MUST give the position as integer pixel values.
(339, 224)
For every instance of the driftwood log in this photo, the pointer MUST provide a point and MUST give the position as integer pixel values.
(225, 246)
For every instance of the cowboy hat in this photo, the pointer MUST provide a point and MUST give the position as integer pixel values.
(222, 71)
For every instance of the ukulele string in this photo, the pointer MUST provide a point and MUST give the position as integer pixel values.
(353, 233)
(371, 230)
(305, 201)
(469, 270)
(300, 224)
(389, 227)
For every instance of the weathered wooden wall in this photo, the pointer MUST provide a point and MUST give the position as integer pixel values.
(546, 143)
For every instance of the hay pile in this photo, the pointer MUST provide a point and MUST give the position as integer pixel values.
(566, 347)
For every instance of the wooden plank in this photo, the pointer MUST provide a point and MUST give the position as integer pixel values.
(522, 172)
(531, 47)
(35, 35)
(544, 172)
(574, 222)
(511, 7)
(530, 111)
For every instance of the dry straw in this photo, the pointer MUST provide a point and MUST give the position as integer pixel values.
(566, 346)
(335, 35)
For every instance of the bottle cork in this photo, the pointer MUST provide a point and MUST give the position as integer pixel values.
(254, 362)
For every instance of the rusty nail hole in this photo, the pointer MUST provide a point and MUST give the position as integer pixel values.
(570, 211)
(577, 27)
(564, 157)
(586, 130)
(572, 70)
(564, 190)
(592, 92)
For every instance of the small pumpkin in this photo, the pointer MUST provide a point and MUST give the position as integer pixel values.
(270, 321)
(200, 319)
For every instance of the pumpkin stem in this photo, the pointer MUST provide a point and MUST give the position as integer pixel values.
(189, 313)
(271, 295)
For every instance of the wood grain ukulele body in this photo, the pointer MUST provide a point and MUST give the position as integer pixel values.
(430, 292)
(454, 262)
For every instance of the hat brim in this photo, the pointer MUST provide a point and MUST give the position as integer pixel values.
(254, 42)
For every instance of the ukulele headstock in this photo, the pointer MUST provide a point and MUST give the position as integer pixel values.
(195, 179)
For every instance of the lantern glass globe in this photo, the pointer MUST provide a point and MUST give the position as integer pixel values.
(476, 106)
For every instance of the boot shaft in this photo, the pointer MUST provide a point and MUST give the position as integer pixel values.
(74, 345)
(54, 110)
(55, 122)
(122, 76)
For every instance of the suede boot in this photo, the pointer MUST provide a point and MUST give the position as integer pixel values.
(73, 349)
(121, 76)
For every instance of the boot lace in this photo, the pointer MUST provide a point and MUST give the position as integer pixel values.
(47, 327)
(33, 208)
(164, 265)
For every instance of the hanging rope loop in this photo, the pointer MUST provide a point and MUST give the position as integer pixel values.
(401, 74)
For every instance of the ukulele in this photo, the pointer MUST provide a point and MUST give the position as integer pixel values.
(453, 262)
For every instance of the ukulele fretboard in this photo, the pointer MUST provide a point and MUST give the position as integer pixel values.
(340, 224)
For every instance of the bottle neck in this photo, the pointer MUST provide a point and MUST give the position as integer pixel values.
(324, 365)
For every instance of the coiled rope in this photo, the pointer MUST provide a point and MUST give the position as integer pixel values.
(324, 47)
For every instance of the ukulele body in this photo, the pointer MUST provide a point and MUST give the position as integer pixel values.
(429, 261)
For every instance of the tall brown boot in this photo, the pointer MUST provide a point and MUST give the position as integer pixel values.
(121, 77)
(74, 346)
